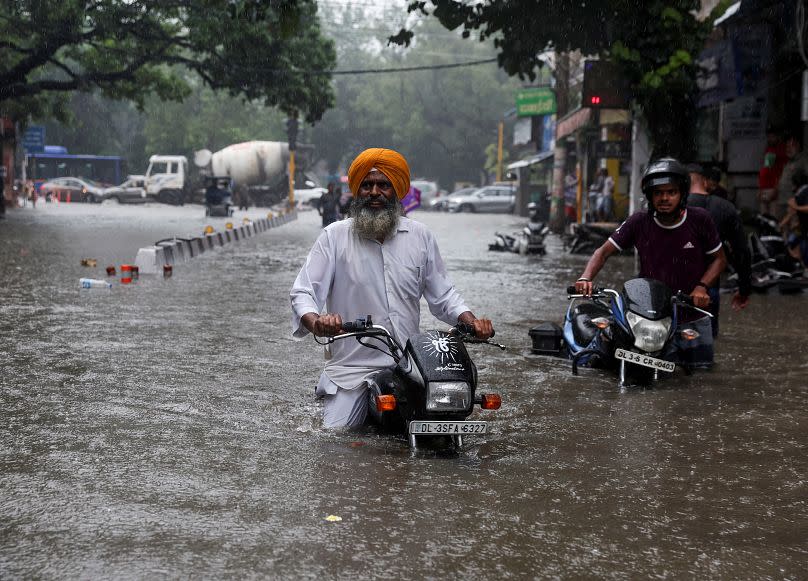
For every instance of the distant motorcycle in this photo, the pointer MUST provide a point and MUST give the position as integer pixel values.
(432, 388)
(586, 238)
(529, 240)
(772, 265)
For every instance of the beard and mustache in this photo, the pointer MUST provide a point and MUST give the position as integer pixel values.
(375, 223)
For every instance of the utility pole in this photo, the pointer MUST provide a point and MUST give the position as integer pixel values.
(562, 71)
(499, 151)
(291, 134)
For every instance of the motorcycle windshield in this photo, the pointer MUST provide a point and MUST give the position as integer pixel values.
(647, 298)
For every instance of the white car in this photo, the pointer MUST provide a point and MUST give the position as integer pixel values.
(309, 198)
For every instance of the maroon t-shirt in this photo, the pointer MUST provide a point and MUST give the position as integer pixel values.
(676, 255)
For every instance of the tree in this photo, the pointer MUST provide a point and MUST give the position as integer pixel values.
(655, 42)
(128, 49)
(442, 120)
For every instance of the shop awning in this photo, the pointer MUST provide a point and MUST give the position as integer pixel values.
(533, 160)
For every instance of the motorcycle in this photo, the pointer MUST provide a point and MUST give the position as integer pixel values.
(431, 389)
(586, 238)
(632, 330)
(772, 265)
(218, 196)
(529, 240)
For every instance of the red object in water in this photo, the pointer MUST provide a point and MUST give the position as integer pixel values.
(110, 271)
(168, 270)
(126, 273)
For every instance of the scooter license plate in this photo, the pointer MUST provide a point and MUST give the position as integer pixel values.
(447, 428)
(644, 360)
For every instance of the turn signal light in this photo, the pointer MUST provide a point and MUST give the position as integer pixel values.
(229, 225)
(209, 229)
(385, 403)
(491, 401)
(600, 322)
(690, 334)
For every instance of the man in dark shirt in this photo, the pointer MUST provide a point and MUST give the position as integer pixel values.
(714, 187)
(676, 245)
(731, 232)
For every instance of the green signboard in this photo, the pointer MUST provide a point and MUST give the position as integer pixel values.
(535, 101)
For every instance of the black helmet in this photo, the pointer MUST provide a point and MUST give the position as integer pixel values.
(666, 171)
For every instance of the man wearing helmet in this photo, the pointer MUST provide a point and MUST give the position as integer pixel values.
(676, 245)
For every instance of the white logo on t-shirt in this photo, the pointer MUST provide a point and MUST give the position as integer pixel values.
(688, 245)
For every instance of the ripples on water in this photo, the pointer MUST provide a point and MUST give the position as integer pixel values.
(169, 428)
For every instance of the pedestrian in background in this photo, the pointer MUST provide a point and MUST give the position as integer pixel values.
(797, 160)
(571, 198)
(733, 237)
(713, 183)
(774, 159)
(329, 203)
(595, 189)
(606, 198)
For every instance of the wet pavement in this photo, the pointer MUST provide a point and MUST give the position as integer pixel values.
(168, 428)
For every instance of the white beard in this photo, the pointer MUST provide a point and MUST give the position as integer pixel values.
(375, 224)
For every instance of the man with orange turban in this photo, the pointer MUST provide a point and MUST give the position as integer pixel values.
(377, 263)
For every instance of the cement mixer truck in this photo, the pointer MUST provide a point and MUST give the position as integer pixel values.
(258, 170)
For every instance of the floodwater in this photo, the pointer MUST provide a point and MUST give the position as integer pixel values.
(168, 428)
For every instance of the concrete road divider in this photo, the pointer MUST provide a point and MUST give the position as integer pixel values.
(170, 251)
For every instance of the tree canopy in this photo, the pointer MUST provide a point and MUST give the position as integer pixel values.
(656, 43)
(130, 49)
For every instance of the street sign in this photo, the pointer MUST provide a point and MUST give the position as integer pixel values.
(613, 149)
(33, 140)
(535, 101)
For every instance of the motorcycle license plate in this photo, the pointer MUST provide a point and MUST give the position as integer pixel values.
(451, 428)
(644, 360)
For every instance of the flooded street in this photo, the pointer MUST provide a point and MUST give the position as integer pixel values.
(168, 428)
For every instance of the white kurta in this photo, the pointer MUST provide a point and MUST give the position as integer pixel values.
(355, 277)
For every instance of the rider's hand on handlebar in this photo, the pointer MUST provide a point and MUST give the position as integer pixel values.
(584, 287)
(327, 325)
(700, 297)
(483, 328)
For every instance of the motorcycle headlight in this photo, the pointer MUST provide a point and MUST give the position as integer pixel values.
(448, 396)
(649, 336)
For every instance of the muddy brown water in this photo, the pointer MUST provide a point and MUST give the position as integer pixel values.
(168, 428)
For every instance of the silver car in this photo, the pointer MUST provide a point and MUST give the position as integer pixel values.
(132, 191)
(485, 199)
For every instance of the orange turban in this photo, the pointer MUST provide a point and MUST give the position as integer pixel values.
(390, 163)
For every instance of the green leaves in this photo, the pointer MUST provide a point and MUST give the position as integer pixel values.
(254, 48)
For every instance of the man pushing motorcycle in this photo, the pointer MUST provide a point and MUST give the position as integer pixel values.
(377, 263)
(677, 245)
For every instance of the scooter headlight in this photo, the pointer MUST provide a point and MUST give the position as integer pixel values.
(448, 396)
(649, 336)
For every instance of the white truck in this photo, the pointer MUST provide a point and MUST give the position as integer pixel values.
(167, 179)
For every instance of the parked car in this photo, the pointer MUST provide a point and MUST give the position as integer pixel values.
(500, 198)
(441, 204)
(132, 191)
(309, 196)
(76, 189)
(429, 191)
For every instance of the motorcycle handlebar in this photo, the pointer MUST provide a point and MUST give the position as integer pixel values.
(465, 329)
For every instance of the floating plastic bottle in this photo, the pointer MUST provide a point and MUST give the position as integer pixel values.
(94, 283)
